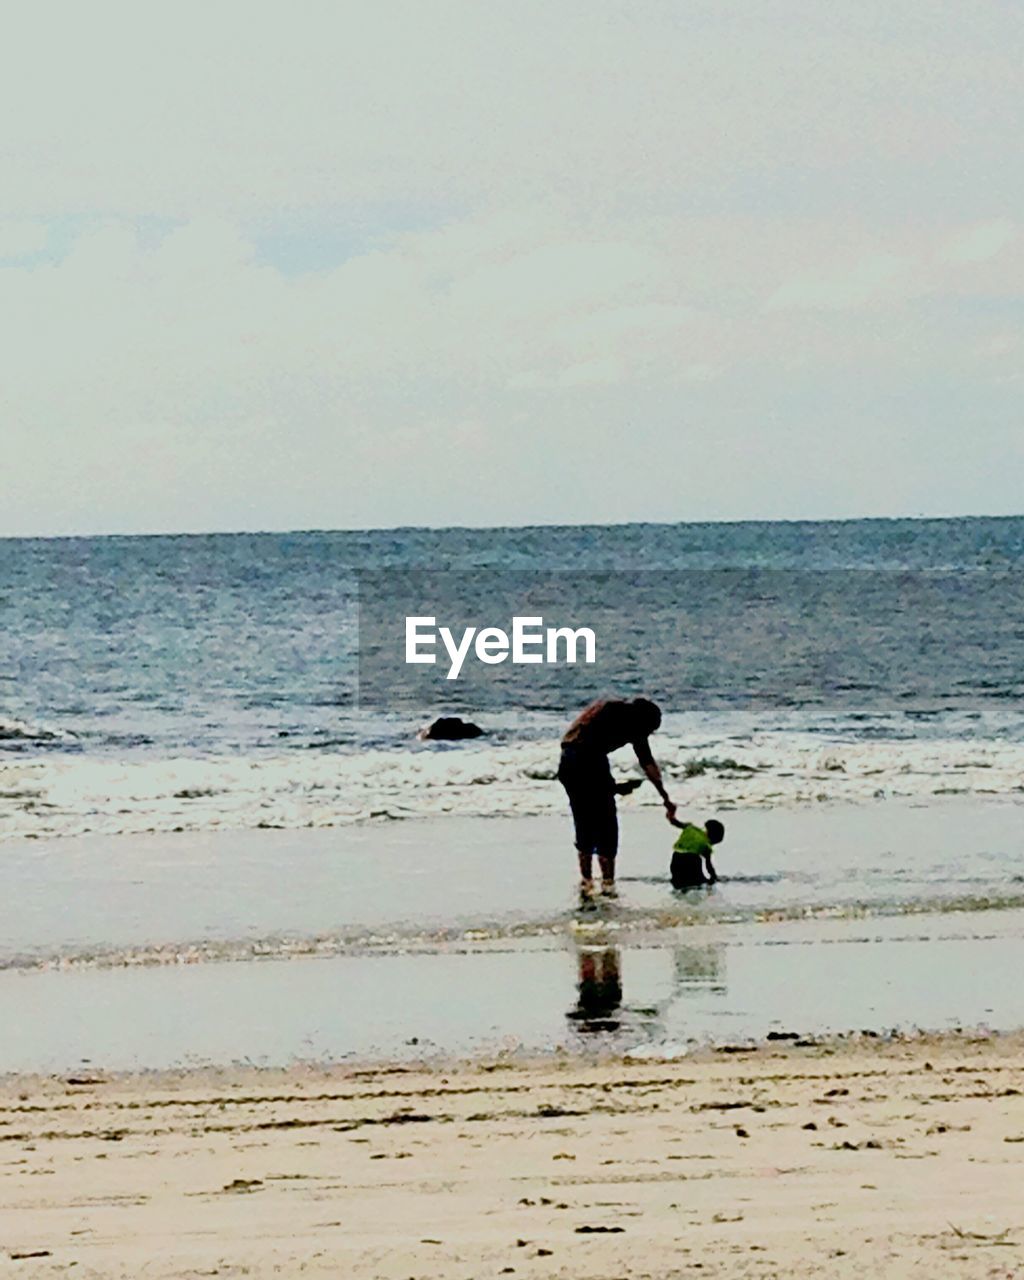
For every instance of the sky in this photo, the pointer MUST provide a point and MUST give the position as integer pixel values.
(345, 265)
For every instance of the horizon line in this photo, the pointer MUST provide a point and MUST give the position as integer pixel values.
(507, 528)
(498, 529)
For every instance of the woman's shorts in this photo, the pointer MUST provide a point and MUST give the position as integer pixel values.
(588, 782)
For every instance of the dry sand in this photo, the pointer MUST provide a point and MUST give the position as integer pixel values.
(863, 1158)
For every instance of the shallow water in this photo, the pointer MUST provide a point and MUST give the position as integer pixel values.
(421, 886)
(465, 936)
(725, 985)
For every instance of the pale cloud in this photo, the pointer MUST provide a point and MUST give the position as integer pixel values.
(251, 110)
(20, 237)
(868, 280)
(743, 245)
(981, 242)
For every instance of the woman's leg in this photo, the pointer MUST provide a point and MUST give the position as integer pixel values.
(591, 791)
(585, 837)
(608, 841)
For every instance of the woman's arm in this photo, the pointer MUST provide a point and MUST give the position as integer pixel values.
(654, 773)
(642, 747)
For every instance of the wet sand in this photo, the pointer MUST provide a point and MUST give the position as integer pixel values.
(845, 1158)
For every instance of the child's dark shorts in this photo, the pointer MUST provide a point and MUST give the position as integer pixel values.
(687, 871)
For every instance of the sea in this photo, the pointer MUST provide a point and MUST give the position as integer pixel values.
(211, 761)
(205, 683)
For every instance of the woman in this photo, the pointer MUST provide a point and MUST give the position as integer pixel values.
(584, 771)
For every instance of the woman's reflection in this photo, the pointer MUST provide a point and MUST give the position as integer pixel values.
(598, 990)
(696, 971)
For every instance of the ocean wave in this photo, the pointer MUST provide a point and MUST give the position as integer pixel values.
(19, 731)
(605, 924)
(45, 794)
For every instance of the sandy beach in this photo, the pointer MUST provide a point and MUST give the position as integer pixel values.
(844, 1158)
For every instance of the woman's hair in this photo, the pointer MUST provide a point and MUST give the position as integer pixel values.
(649, 712)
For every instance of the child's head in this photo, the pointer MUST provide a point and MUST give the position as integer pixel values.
(714, 831)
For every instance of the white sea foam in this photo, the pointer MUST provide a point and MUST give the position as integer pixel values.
(630, 926)
(58, 794)
(663, 1051)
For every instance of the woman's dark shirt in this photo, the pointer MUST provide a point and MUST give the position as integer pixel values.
(607, 725)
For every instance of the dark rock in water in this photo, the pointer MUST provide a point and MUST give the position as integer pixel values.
(450, 729)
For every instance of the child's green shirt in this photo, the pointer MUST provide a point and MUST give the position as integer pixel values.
(692, 839)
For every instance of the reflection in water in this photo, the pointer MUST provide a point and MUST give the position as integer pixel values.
(598, 989)
(696, 970)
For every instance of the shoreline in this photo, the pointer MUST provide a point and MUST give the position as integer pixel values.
(127, 953)
(246, 1076)
(443, 881)
(896, 1157)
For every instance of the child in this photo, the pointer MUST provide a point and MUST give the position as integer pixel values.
(691, 853)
